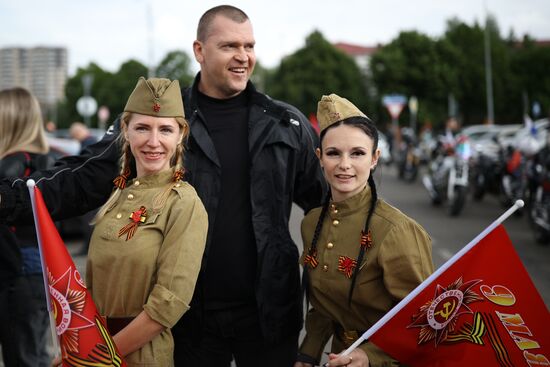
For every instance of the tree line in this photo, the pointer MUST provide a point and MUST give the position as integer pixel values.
(434, 70)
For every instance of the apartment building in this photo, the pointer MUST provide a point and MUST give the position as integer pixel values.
(42, 70)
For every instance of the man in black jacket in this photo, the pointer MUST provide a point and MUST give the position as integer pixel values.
(249, 157)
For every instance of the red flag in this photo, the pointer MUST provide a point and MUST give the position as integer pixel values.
(314, 122)
(483, 310)
(82, 333)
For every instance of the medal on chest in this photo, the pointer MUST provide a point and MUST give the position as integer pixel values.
(136, 217)
(347, 265)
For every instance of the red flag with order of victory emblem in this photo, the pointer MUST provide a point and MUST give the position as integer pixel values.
(83, 335)
(483, 310)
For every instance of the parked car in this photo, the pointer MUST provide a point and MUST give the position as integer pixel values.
(495, 138)
(538, 132)
(476, 133)
(65, 134)
(506, 135)
(62, 147)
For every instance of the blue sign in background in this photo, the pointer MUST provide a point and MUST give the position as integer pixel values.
(391, 99)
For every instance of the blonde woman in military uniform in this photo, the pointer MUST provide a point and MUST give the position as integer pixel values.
(147, 245)
(361, 255)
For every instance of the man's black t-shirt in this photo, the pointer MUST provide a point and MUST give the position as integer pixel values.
(231, 264)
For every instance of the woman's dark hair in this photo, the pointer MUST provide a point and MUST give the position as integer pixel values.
(368, 128)
(363, 123)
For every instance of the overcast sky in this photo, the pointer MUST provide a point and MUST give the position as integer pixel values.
(110, 32)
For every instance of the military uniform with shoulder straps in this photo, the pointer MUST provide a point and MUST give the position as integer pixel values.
(399, 260)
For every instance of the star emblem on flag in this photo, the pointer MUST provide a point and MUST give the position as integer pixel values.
(438, 317)
(67, 305)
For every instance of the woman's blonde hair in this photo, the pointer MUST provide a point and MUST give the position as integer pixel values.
(126, 159)
(21, 124)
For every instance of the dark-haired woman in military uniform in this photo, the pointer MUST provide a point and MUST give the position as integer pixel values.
(361, 255)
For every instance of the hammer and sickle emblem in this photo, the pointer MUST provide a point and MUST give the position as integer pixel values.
(447, 310)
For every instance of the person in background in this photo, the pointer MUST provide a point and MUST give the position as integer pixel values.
(51, 127)
(361, 255)
(447, 141)
(249, 157)
(82, 134)
(155, 224)
(23, 313)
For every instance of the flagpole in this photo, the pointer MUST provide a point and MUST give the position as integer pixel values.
(31, 185)
(518, 204)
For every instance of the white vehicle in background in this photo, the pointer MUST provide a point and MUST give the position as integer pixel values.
(61, 143)
(530, 139)
(61, 147)
(493, 139)
(383, 145)
(506, 134)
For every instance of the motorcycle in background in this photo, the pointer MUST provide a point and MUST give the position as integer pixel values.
(539, 209)
(517, 178)
(408, 157)
(514, 178)
(448, 176)
(486, 170)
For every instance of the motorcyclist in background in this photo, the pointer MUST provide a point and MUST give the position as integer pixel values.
(448, 139)
(539, 211)
(447, 179)
(446, 144)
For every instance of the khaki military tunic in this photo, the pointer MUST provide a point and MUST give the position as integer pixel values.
(157, 268)
(400, 258)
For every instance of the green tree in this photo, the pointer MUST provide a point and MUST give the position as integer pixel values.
(506, 91)
(317, 69)
(108, 89)
(176, 65)
(67, 112)
(261, 77)
(466, 56)
(530, 64)
(411, 65)
(122, 84)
